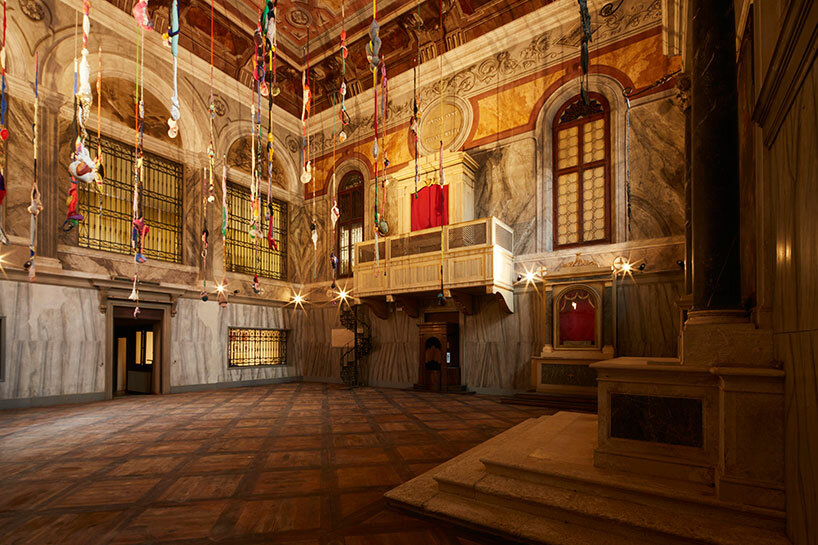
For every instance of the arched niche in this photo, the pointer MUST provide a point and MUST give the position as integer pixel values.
(240, 157)
(117, 106)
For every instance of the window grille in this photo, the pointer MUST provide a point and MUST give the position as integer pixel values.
(351, 222)
(108, 216)
(252, 347)
(582, 172)
(253, 256)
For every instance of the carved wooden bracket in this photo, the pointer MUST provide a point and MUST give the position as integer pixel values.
(103, 299)
(464, 302)
(504, 304)
(409, 304)
(379, 307)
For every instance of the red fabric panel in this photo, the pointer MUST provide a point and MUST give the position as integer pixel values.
(430, 208)
(577, 325)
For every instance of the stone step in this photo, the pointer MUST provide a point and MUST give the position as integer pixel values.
(634, 522)
(520, 527)
(557, 401)
(559, 454)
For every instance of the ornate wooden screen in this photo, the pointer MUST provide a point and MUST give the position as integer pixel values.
(253, 256)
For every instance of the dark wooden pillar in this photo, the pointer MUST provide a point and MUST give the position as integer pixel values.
(49, 178)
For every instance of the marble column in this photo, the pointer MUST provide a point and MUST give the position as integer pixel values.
(714, 157)
(48, 174)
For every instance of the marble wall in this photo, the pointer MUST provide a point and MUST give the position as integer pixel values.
(54, 341)
(505, 186)
(199, 342)
(657, 143)
(198, 348)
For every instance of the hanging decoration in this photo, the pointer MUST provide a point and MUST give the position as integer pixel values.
(172, 39)
(82, 168)
(373, 49)
(211, 148)
(268, 28)
(585, 20)
(221, 288)
(205, 236)
(414, 122)
(36, 205)
(383, 226)
(306, 167)
(441, 298)
(140, 13)
(342, 136)
(4, 133)
(139, 229)
(255, 181)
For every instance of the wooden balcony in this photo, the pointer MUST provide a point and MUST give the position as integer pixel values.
(475, 258)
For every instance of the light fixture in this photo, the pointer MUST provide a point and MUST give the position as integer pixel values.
(342, 296)
(532, 276)
(298, 299)
(622, 266)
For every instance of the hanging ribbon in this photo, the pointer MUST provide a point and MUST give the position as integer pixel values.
(139, 229)
(205, 236)
(414, 122)
(211, 148)
(172, 39)
(36, 205)
(222, 294)
(4, 132)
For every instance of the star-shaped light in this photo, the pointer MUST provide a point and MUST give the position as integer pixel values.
(298, 299)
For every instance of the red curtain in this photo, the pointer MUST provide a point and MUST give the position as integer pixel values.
(431, 207)
(577, 317)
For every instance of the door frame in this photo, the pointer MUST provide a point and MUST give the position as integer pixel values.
(161, 376)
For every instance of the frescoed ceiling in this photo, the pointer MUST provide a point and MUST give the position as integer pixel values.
(407, 27)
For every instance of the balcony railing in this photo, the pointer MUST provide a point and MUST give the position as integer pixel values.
(475, 256)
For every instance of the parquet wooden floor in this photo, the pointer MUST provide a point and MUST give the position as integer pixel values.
(298, 463)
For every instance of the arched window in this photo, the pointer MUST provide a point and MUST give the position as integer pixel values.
(351, 222)
(582, 172)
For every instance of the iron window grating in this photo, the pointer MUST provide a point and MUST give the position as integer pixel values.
(108, 227)
(249, 256)
(250, 347)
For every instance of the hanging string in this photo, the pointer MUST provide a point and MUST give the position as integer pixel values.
(222, 291)
(255, 181)
(270, 32)
(100, 165)
(205, 236)
(140, 229)
(4, 133)
(211, 148)
(442, 180)
(342, 136)
(414, 123)
(36, 204)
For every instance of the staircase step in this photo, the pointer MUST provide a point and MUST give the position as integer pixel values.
(521, 527)
(560, 454)
(637, 522)
(518, 497)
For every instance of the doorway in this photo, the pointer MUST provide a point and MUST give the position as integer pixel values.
(136, 352)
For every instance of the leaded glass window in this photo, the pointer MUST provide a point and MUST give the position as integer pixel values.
(582, 166)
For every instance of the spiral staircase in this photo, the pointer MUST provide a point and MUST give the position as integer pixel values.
(351, 359)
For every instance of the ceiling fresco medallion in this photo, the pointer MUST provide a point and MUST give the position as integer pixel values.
(299, 17)
(33, 9)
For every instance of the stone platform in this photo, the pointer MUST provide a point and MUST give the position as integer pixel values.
(537, 483)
